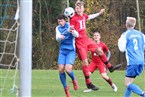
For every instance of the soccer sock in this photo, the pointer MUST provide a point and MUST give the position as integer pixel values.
(71, 75)
(86, 74)
(127, 92)
(104, 59)
(135, 89)
(109, 81)
(63, 79)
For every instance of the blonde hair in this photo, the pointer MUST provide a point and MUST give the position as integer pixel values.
(79, 3)
(131, 22)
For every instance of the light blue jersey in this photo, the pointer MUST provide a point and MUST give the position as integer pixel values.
(67, 52)
(132, 43)
(68, 42)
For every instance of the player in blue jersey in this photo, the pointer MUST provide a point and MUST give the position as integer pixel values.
(67, 52)
(132, 42)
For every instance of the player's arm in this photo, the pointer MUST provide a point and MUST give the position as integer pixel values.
(92, 16)
(59, 37)
(144, 41)
(122, 43)
(108, 54)
(73, 31)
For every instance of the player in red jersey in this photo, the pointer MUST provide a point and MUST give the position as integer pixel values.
(85, 44)
(96, 62)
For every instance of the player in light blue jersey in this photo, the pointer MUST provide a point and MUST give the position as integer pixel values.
(67, 53)
(132, 42)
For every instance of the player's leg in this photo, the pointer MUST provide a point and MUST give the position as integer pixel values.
(92, 46)
(82, 54)
(105, 61)
(102, 69)
(62, 75)
(91, 68)
(70, 73)
(69, 64)
(87, 76)
(131, 73)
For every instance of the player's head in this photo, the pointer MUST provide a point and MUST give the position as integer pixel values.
(61, 20)
(96, 36)
(130, 22)
(79, 7)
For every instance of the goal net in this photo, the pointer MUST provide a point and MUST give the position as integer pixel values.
(8, 47)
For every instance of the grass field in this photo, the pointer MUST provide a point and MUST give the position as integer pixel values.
(46, 83)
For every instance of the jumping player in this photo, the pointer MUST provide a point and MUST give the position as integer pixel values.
(132, 42)
(96, 62)
(67, 53)
(85, 44)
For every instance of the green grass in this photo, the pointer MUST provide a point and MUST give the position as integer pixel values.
(46, 83)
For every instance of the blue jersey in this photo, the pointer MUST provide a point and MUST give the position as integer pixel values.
(132, 42)
(68, 42)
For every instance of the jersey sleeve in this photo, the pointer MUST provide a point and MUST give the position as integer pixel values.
(105, 48)
(58, 34)
(86, 16)
(122, 43)
(92, 16)
(144, 40)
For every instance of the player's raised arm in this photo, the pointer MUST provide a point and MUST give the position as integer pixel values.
(92, 16)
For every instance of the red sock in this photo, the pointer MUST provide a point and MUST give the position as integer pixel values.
(86, 74)
(108, 65)
(109, 81)
(104, 59)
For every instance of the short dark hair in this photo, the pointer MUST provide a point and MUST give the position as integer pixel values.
(61, 17)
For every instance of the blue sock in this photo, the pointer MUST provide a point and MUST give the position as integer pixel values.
(135, 89)
(63, 79)
(71, 75)
(127, 92)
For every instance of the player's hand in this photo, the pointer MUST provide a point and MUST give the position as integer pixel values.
(102, 11)
(71, 29)
(62, 37)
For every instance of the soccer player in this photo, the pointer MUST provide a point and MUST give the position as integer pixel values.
(96, 62)
(67, 52)
(85, 44)
(132, 42)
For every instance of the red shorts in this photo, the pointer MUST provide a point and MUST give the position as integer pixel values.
(84, 45)
(100, 66)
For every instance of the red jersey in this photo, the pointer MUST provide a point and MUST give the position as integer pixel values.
(95, 57)
(79, 23)
(83, 42)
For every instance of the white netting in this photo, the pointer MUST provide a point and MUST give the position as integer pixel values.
(8, 48)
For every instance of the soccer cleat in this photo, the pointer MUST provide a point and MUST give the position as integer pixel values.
(114, 87)
(75, 84)
(67, 91)
(112, 68)
(91, 86)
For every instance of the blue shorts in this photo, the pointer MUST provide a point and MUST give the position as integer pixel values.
(66, 57)
(134, 70)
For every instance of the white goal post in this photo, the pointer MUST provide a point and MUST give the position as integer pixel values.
(25, 50)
